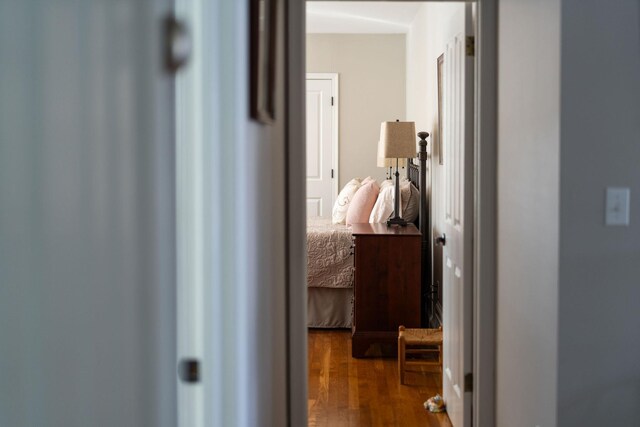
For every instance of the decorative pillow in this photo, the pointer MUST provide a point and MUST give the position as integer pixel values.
(341, 205)
(412, 209)
(367, 180)
(386, 183)
(362, 203)
(405, 194)
(384, 204)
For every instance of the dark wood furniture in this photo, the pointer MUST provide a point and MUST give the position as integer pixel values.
(431, 287)
(386, 288)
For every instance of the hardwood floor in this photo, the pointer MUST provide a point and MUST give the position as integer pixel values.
(344, 391)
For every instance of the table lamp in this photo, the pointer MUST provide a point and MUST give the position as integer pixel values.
(397, 142)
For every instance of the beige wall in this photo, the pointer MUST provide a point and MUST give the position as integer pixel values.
(372, 90)
(425, 43)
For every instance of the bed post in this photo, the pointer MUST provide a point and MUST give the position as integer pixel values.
(425, 229)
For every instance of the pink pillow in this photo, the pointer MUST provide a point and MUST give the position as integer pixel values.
(362, 203)
(366, 180)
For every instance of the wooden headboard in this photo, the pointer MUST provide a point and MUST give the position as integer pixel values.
(414, 175)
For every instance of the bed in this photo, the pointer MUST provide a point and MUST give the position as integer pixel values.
(330, 266)
(329, 274)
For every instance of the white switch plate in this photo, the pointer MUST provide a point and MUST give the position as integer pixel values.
(617, 206)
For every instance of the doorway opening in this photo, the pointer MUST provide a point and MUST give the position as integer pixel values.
(428, 32)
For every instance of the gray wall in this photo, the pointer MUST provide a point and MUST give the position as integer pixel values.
(254, 222)
(258, 256)
(87, 226)
(599, 300)
(528, 212)
(372, 90)
(244, 218)
(87, 261)
(568, 287)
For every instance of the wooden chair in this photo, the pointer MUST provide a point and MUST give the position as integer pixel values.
(418, 342)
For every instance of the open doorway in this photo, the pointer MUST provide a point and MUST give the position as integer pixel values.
(421, 110)
(388, 68)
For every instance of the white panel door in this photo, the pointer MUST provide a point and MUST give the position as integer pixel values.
(458, 206)
(320, 156)
(87, 248)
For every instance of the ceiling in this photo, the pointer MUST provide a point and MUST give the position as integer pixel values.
(360, 16)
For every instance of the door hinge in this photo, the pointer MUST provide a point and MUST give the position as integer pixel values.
(177, 44)
(468, 382)
(332, 101)
(471, 46)
(331, 173)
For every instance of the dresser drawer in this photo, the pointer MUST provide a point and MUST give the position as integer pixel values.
(386, 288)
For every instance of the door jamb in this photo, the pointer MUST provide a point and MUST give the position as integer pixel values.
(296, 205)
(485, 221)
(335, 127)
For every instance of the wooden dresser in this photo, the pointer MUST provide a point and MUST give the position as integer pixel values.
(386, 288)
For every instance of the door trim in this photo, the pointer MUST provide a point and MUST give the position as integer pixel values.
(335, 127)
(485, 220)
(295, 197)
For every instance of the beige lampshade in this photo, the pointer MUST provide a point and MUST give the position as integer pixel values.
(397, 140)
(389, 163)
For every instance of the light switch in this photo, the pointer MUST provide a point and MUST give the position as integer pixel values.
(617, 206)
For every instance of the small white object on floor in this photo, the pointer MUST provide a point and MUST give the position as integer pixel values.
(435, 404)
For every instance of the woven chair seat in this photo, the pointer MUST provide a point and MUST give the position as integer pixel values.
(423, 336)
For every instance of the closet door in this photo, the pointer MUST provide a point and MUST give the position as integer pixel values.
(321, 145)
(87, 317)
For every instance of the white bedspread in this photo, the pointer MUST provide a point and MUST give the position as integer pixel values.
(329, 261)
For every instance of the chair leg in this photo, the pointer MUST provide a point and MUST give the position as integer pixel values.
(401, 354)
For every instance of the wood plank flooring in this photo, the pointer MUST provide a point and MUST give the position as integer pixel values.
(344, 391)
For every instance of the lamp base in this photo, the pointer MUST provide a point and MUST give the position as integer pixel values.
(397, 221)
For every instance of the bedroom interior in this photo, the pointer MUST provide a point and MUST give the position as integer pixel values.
(367, 278)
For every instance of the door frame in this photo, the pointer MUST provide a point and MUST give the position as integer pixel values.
(335, 127)
(484, 227)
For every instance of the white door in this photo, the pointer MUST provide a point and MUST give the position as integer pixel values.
(458, 206)
(321, 169)
(87, 250)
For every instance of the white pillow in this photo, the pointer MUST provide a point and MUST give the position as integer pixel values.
(384, 205)
(386, 183)
(341, 205)
(405, 194)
